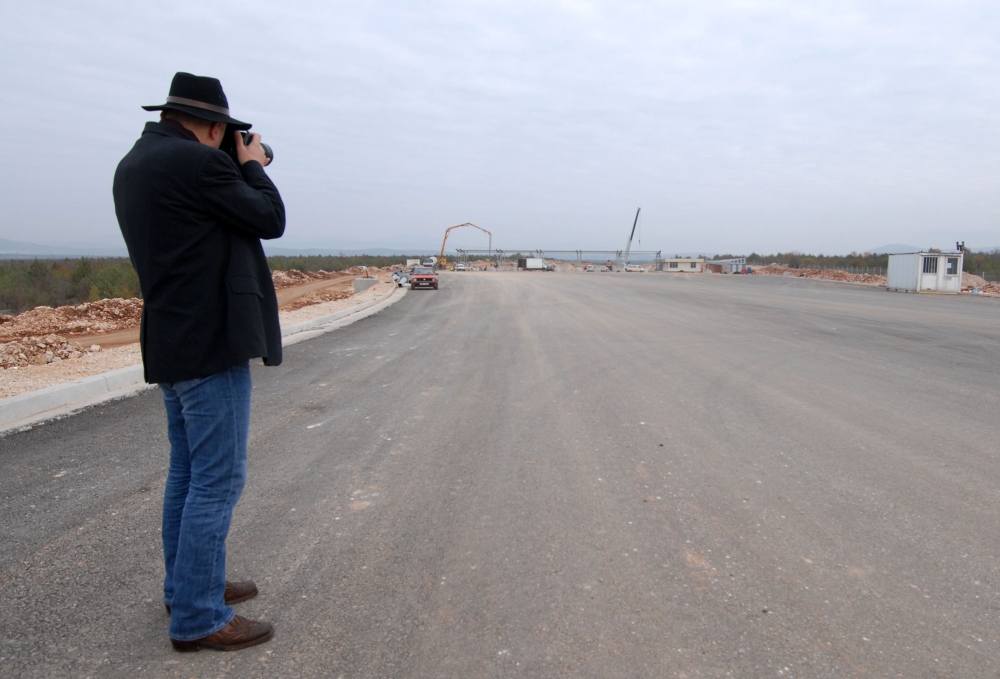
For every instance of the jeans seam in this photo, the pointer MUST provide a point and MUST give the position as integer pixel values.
(229, 507)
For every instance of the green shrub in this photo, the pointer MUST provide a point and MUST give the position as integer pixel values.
(25, 284)
(334, 262)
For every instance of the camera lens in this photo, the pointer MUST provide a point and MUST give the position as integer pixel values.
(248, 137)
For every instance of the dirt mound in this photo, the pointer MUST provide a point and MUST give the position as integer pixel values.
(824, 274)
(286, 279)
(40, 350)
(110, 315)
(45, 334)
(317, 298)
(92, 317)
(972, 282)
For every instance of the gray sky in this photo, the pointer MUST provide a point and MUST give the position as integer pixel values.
(737, 126)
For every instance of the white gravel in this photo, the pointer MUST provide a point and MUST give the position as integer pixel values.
(14, 381)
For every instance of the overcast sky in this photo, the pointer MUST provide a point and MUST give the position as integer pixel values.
(737, 126)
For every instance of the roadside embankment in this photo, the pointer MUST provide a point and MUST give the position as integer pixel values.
(45, 347)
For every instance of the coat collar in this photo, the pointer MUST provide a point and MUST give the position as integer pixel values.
(169, 128)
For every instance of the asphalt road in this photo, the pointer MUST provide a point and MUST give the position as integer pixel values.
(548, 475)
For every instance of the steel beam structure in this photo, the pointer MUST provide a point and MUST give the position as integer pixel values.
(502, 254)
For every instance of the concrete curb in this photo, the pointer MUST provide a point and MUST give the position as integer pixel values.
(23, 409)
(62, 399)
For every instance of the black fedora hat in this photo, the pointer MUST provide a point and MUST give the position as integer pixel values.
(199, 96)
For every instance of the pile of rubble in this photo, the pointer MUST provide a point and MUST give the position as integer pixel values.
(825, 274)
(317, 298)
(286, 279)
(103, 316)
(972, 282)
(45, 335)
(40, 350)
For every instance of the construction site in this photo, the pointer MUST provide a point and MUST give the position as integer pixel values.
(48, 345)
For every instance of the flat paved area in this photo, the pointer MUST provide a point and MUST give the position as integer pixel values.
(558, 475)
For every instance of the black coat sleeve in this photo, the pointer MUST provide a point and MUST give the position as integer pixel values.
(247, 204)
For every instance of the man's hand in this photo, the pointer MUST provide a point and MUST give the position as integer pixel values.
(252, 152)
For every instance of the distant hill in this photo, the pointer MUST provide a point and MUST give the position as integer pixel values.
(12, 249)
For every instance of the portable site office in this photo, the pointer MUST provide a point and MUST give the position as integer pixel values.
(926, 272)
(681, 264)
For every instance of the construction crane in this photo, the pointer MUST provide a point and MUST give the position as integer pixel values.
(629, 247)
(441, 259)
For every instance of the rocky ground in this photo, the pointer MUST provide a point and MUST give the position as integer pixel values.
(825, 274)
(106, 315)
(286, 279)
(972, 282)
(37, 348)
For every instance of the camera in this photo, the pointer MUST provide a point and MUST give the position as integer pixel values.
(248, 137)
(229, 145)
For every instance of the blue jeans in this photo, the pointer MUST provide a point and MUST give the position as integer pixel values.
(207, 423)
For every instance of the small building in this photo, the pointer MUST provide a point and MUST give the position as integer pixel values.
(926, 272)
(735, 265)
(681, 264)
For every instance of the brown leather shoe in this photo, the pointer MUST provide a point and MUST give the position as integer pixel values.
(239, 633)
(236, 592)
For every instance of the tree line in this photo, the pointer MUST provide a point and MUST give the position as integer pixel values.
(28, 283)
(25, 284)
(307, 263)
(975, 262)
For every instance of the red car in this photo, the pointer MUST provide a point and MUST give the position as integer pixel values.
(423, 277)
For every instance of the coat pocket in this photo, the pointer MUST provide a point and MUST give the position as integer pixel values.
(245, 285)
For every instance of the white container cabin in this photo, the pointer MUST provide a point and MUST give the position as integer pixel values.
(926, 272)
(681, 264)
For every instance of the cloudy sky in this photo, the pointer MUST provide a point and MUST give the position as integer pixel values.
(737, 126)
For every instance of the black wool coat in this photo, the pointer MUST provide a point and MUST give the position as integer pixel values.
(192, 220)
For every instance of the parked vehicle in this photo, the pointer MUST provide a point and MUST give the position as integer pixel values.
(423, 277)
(460, 267)
(589, 268)
(532, 264)
(634, 268)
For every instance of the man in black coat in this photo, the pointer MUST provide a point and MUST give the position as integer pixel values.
(192, 219)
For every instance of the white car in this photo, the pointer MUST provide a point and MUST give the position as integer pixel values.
(634, 268)
(459, 267)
